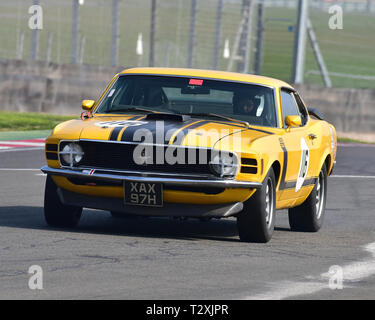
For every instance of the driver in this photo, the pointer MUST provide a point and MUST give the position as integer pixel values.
(245, 104)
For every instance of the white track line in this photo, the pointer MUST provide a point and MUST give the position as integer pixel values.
(18, 143)
(352, 272)
(18, 169)
(21, 149)
(354, 177)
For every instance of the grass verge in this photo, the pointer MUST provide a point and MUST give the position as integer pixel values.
(349, 140)
(25, 121)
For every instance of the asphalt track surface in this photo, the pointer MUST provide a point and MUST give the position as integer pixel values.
(159, 258)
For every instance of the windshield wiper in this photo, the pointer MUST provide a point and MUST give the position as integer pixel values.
(219, 116)
(131, 109)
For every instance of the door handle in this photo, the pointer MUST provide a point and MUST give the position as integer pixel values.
(312, 136)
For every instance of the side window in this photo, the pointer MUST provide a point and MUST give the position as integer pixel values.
(288, 105)
(301, 108)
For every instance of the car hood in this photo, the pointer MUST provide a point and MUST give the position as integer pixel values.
(193, 132)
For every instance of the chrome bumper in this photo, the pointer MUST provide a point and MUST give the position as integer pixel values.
(143, 177)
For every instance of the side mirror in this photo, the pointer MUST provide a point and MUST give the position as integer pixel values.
(88, 104)
(293, 121)
(315, 112)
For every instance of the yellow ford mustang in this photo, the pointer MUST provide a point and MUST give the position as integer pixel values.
(193, 143)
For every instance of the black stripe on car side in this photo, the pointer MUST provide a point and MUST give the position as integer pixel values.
(292, 184)
(285, 165)
(116, 130)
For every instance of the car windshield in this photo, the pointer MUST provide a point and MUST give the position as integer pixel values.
(196, 97)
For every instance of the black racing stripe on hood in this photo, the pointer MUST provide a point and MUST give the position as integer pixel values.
(185, 131)
(128, 134)
(116, 131)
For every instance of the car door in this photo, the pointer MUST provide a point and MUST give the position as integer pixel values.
(296, 147)
(313, 137)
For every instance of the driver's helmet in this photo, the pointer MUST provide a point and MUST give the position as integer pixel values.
(245, 104)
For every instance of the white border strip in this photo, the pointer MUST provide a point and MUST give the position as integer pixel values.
(353, 177)
(21, 149)
(18, 169)
(21, 143)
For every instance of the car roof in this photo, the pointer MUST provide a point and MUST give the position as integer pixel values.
(212, 74)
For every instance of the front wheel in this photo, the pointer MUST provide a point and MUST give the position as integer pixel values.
(56, 213)
(256, 221)
(309, 215)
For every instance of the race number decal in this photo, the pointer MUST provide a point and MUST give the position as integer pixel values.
(120, 123)
(304, 166)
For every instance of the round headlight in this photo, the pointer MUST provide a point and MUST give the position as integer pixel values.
(224, 164)
(71, 154)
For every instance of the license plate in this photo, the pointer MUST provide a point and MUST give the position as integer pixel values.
(143, 193)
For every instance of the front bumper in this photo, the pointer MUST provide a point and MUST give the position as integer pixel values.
(169, 209)
(144, 177)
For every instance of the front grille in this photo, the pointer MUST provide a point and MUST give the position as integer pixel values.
(119, 156)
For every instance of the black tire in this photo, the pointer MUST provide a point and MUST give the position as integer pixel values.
(56, 213)
(256, 221)
(309, 216)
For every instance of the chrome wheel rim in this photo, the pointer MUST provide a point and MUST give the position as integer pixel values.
(269, 202)
(319, 195)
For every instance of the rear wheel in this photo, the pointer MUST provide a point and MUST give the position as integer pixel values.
(310, 214)
(56, 213)
(256, 221)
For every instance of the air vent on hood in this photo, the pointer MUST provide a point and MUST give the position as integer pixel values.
(168, 116)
